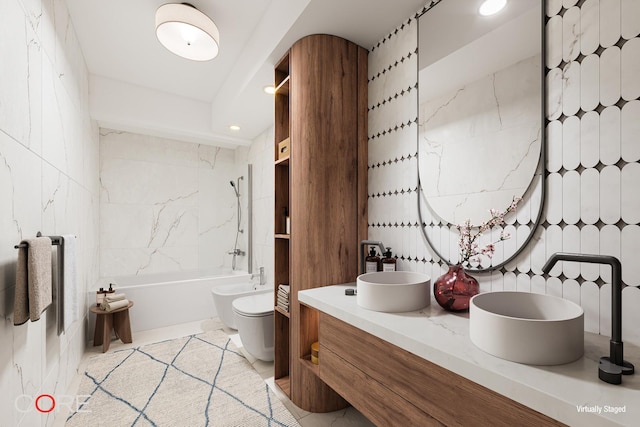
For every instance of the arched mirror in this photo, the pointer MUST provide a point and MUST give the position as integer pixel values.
(481, 121)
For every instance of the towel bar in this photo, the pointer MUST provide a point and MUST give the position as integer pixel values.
(55, 240)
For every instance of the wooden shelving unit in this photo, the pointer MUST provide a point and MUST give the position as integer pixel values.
(281, 244)
(282, 312)
(321, 108)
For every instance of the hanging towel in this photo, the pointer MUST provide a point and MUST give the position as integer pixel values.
(110, 306)
(33, 280)
(69, 286)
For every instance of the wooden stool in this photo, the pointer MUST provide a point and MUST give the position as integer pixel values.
(118, 320)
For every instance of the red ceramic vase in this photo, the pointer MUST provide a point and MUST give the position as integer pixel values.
(454, 289)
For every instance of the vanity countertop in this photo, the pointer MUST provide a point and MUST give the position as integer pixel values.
(570, 393)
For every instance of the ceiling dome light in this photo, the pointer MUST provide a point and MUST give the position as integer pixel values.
(491, 7)
(234, 128)
(187, 32)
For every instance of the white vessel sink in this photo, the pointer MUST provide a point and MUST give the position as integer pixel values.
(527, 328)
(393, 291)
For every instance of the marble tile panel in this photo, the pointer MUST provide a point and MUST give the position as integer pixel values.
(589, 83)
(571, 243)
(554, 32)
(610, 135)
(554, 146)
(139, 182)
(27, 364)
(589, 244)
(571, 291)
(570, 197)
(21, 82)
(630, 182)
(590, 26)
(20, 189)
(523, 261)
(553, 242)
(126, 145)
(605, 310)
(571, 33)
(554, 93)
(610, 244)
(538, 249)
(610, 178)
(571, 143)
(523, 283)
(610, 75)
(55, 146)
(590, 302)
(630, 241)
(538, 285)
(125, 261)
(148, 226)
(554, 7)
(590, 139)
(630, 69)
(554, 195)
(571, 88)
(630, 129)
(610, 21)
(630, 11)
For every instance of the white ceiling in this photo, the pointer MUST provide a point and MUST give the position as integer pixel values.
(137, 85)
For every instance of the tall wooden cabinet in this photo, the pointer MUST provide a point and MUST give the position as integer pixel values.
(321, 108)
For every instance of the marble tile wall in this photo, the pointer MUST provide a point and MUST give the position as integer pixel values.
(593, 165)
(48, 183)
(167, 206)
(260, 156)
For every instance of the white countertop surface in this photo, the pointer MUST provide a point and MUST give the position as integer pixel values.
(570, 393)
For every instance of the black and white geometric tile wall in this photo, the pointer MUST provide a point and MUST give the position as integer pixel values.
(593, 158)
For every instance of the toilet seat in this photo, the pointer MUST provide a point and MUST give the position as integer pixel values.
(254, 305)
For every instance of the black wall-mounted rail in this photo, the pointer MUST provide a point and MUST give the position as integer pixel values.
(55, 240)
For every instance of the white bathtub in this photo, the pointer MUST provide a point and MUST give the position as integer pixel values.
(170, 299)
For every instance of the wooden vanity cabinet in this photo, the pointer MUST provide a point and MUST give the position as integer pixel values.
(321, 113)
(393, 387)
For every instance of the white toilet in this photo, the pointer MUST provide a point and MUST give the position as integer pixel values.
(254, 319)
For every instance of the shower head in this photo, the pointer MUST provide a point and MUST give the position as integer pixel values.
(235, 188)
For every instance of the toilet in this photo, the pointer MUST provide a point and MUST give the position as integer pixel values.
(254, 319)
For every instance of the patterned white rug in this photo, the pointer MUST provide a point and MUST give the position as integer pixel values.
(199, 380)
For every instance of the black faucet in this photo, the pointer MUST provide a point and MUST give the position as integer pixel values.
(613, 367)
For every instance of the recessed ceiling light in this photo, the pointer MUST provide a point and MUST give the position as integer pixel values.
(234, 127)
(491, 7)
(187, 32)
(269, 90)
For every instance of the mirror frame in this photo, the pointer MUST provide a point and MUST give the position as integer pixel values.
(542, 161)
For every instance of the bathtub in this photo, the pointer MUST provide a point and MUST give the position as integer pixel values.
(224, 295)
(170, 299)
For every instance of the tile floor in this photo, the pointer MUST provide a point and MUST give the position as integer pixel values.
(349, 417)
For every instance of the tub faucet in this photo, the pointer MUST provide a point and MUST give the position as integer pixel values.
(367, 243)
(611, 368)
